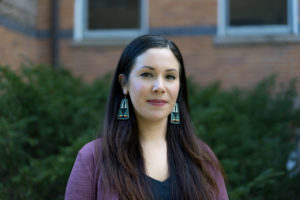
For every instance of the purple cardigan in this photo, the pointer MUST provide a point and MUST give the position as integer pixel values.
(83, 183)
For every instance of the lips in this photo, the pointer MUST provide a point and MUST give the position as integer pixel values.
(157, 102)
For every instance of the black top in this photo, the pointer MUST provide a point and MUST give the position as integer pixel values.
(160, 190)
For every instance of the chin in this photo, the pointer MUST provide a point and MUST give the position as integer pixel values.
(155, 118)
(152, 115)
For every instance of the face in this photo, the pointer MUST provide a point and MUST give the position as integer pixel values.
(153, 84)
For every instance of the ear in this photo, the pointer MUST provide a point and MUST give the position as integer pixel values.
(122, 81)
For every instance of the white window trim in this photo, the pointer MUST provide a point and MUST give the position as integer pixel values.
(80, 26)
(223, 30)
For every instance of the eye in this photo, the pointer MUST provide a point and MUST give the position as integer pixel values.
(171, 77)
(146, 75)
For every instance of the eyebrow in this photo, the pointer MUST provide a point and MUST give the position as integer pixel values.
(152, 68)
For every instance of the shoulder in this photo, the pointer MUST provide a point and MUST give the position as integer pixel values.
(89, 148)
(89, 151)
(205, 147)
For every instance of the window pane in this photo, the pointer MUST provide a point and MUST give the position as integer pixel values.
(257, 12)
(113, 14)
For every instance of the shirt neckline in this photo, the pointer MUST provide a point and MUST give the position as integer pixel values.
(157, 181)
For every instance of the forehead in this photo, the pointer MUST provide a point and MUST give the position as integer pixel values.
(158, 58)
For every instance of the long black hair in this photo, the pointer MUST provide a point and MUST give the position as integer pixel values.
(122, 165)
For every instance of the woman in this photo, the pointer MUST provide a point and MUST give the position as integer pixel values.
(148, 150)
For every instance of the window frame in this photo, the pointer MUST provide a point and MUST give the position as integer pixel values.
(81, 31)
(224, 30)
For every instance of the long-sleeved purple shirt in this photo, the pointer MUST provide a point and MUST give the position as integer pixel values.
(84, 183)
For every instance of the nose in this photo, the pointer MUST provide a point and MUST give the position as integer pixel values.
(158, 86)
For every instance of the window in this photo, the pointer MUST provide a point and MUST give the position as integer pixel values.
(257, 17)
(110, 19)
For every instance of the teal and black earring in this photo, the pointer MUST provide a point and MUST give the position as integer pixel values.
(175, 118)
(123, 113)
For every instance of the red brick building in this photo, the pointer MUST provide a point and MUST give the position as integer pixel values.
(235, 42)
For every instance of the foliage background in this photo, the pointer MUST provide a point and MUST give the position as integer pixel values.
(46, 116)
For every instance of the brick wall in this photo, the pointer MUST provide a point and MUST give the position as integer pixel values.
(22, 11)
(91, 62)
(17, 49)
(66, 14)
(170, 13)
(21, 45)
(242, 65)
(43, 15)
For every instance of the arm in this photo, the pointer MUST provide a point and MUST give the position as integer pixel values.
(80, 185)
(222, 187)
(217, 174)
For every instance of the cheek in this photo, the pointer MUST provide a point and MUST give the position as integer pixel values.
(175, 91)
(137, 90)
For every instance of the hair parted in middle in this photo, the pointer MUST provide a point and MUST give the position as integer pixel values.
(122, 165)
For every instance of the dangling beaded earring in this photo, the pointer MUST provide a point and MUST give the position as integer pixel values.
(175, 118)
(123, 113)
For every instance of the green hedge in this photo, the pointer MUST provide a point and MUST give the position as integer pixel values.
(252, 133)
(46, 116)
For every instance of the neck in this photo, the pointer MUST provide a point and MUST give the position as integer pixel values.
(152, 131)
